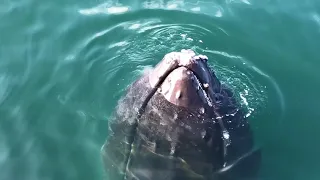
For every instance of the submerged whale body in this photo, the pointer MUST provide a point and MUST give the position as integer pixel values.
(178, 122)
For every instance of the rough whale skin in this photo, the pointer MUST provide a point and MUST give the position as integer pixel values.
(178, 122)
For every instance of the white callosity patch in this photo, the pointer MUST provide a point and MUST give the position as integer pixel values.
(178, 94)
(187, 56)
(184, 65)
(202, 110)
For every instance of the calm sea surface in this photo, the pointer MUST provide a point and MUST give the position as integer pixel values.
(64, 65)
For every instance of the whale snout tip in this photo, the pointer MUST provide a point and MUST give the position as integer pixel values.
(184, 78)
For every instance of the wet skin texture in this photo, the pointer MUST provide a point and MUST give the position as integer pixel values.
(179, 122)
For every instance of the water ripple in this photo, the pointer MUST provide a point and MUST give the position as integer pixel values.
(105, 8)
(145, 42)
(110, 7)
(241, 76)
(4, 83)
(76, 67)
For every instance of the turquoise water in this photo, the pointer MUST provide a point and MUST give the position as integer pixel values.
(64, 65)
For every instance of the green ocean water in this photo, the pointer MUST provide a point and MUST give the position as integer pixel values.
(64, 65)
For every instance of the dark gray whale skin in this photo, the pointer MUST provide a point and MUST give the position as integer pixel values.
(178, 122)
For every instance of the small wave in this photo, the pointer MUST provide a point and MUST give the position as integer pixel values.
(105, 8)
(145, 42)
(245, 79)
(4, 85)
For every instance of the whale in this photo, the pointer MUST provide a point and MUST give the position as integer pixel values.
(177, 121)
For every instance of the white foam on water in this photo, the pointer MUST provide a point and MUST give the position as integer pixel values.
(104, 9)
(119, 44)
(172, 6)
(196, 9)
(189, 39)
(70, 58)
(218, 13)
(183, 36)
(135, 26)
(246, 2)
(117, 10)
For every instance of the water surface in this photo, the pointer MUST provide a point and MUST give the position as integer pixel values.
(64, 65)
